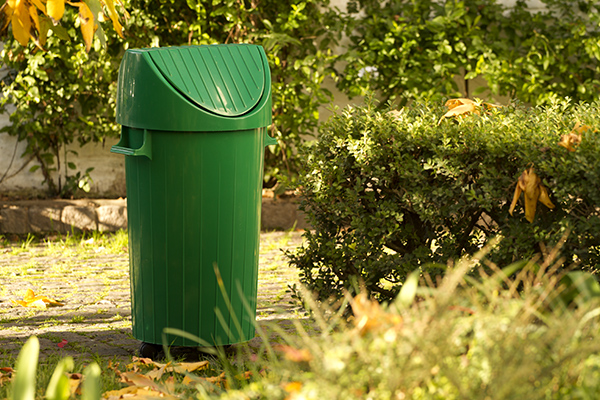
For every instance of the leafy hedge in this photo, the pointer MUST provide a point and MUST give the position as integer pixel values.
(392, 191)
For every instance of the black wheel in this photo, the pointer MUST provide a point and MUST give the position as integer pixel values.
(152, 351)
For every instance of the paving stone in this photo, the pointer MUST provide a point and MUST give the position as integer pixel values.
(96, 317)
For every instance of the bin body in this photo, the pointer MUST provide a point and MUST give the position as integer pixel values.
(194, 185)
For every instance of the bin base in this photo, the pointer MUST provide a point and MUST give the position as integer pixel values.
(156, 352)
(152, 351)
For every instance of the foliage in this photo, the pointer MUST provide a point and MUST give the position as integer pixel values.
(528, 330)
(407, 50)
(391, 191)
(59, 388)
(67, 95)
(464, 338)
(34, 19)
(58, 97)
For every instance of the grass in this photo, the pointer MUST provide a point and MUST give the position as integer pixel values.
(109, 378)
(524, 331)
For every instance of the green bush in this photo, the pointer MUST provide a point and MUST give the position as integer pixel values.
(389, 192)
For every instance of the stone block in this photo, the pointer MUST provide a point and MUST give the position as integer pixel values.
(111, 218)
(14, 220)
(80, 218)
(46, 219)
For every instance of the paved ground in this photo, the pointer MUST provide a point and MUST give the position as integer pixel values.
(93, 283)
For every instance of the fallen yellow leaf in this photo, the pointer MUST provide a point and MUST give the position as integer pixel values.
(220, 380)
(136, 392)
(531, 186)
(6, 374)
(453, 103)
(570, 141)
(459, 110)
(190, 367)
(369, 316)
(293, 387)
(31, 300)
(573, 139)
(295, 355)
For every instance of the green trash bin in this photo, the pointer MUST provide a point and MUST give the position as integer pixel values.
(194, 126)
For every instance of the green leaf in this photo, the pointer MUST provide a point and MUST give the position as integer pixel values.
(61, 32)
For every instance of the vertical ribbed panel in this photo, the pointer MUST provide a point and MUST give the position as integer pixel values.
(194, 206)
(226, 80)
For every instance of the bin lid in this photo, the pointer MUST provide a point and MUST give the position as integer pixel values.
(225, 80)
(223, 87)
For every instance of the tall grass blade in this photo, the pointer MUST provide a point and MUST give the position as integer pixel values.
(409, 289)
(91, 389)
(58, 387)
(24, 382)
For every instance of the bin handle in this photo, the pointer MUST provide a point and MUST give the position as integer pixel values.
(144, 150)
(269, 140)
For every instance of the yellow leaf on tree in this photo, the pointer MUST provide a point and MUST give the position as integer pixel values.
(531, 186)
(87, 24)
(41, 6)
(55, 9)
(112, 13)
(21, 23)
(34, 17)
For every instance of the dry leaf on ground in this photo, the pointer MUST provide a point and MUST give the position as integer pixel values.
(33, 301)
(531, 186)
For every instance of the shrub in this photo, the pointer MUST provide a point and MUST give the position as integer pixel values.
(388, 192)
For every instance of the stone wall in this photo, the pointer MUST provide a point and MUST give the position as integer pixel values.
(63, 216)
